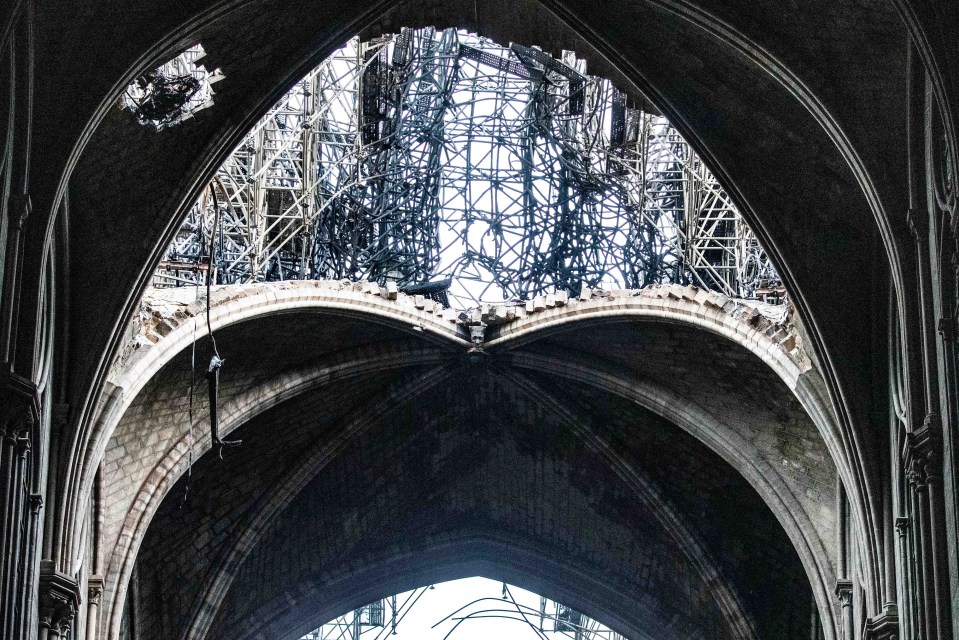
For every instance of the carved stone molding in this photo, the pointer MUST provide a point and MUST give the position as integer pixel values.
(884, 626)
(16, 421)
(19, 408)
(916, 473)
(35, 500)
(844, 592)
(942, 167)
(902, 525)
(94, 589)
(922, 452)
(59, 601)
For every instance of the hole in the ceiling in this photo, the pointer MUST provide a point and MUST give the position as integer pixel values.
(174, 91)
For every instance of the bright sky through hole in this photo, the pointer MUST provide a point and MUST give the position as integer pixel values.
(505, 171)
(486, 622)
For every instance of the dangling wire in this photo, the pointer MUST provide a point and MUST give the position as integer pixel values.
(190, 436)
(210, 267)
(213, 371)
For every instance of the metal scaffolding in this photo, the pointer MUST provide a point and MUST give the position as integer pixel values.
(380, 619)
(469, 171)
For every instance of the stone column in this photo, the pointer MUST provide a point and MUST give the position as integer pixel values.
(844, 593)
(906, 572)
(923, 463)
(59, 601)
(28, 603)
(919, 536)
(94, 595)
(19, 414)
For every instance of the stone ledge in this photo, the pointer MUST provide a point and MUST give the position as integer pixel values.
(163, 310)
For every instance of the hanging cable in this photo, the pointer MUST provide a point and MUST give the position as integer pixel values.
(190, 435)
(213, 370)
(189, 468)
(209, 270)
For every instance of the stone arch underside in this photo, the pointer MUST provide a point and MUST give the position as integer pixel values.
(343, 372)
(462, 459)
(704, 92)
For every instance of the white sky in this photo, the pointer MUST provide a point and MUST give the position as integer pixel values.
(446, 598)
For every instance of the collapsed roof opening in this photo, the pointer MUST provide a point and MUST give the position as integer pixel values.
(468, 172)
(174, 91)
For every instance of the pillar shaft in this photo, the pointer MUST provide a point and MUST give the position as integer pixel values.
(19, 412)
(844, 593)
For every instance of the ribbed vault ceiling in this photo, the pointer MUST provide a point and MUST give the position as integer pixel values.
(443, 468)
